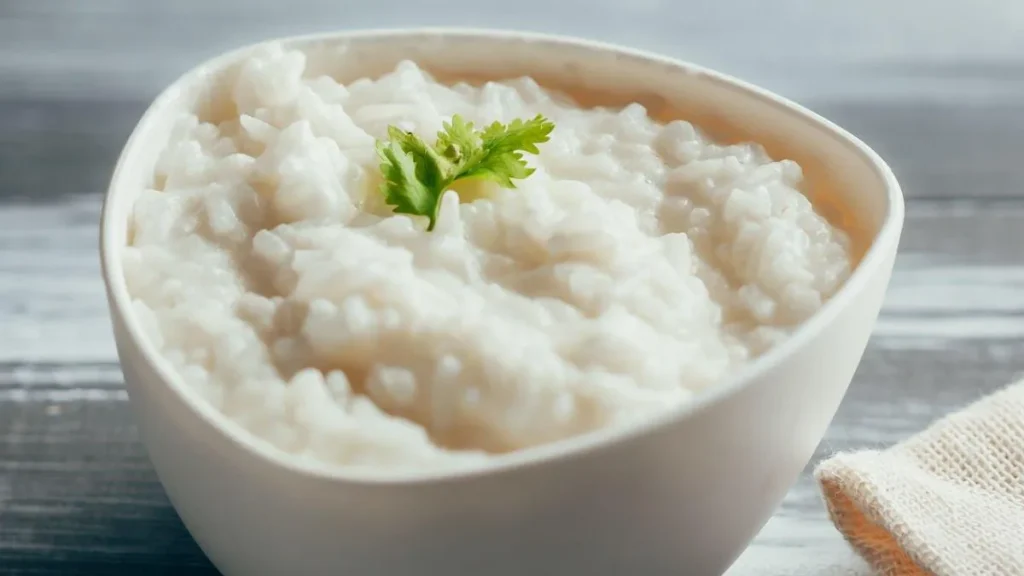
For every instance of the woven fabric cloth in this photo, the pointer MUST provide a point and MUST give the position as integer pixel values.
(948, 501)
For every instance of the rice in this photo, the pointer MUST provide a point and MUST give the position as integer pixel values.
(640, 264)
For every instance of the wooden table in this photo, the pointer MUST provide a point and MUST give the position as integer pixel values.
(938, 91)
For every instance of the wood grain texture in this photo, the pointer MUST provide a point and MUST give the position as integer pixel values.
(942, 98)
(77, 494)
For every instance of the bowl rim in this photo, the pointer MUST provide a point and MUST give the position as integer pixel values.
(885, 241)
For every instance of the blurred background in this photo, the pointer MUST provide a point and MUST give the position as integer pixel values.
(76, 74)
(936, 87)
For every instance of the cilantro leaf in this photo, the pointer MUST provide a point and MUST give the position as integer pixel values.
(412, 174)
(457, 141)
(417, 175)
(503, 147)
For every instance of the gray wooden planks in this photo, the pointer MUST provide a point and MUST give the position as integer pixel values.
(77, 494)
(53, 148)
(872, 49)
(936, 89)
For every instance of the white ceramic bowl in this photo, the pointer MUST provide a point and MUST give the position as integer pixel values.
(682, 494)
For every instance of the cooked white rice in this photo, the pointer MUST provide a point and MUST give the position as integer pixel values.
(640, 264)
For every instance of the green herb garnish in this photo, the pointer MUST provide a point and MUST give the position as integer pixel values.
(416, 175)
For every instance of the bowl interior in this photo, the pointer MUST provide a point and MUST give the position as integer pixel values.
(847, 182)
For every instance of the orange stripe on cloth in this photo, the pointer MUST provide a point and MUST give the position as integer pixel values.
(867, 535)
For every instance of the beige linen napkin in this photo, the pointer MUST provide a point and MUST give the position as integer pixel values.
(948, 502)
